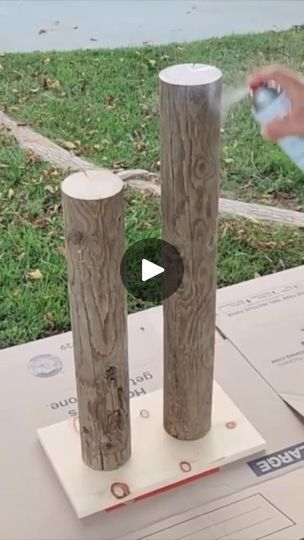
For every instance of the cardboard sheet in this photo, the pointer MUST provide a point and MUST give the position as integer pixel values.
(268, 511)
(264, 319)
(37, 388)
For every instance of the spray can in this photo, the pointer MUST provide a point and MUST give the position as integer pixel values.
(269, 103)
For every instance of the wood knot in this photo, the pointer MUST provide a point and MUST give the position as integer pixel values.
(111, 373)
(200, 167)
(76, 236)
(109, 446)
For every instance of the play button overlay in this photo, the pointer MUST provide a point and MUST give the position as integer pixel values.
(152, 270)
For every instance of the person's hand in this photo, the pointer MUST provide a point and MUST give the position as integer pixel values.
(293, 85)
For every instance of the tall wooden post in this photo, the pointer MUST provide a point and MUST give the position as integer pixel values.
(190, 99)
(94, 237)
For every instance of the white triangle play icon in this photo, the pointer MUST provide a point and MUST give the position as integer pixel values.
(149, 270)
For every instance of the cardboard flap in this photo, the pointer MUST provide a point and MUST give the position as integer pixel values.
(295, 402)
(264, 319)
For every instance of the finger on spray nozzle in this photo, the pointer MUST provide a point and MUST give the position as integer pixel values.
(275, 76)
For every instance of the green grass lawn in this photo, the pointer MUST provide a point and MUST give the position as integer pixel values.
(33, 280)
(103, 104)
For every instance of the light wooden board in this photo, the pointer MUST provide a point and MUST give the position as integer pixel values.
(158, 461)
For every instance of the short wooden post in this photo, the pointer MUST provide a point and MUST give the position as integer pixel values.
(94, 237)
(190, 99)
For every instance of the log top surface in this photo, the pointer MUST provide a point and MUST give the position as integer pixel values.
(92, 185)
(190, 74)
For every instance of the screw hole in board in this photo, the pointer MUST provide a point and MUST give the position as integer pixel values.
(231, 425)
(185, 466)
(120, 490)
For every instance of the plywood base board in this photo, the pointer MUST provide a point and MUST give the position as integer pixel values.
(158, 461)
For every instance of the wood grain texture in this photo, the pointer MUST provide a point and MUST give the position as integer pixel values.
(94, 236)
(190, 136)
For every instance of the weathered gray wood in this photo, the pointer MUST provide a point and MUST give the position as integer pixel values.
(94, 236)
(262, 212)
(42, 147)
(190, 134)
